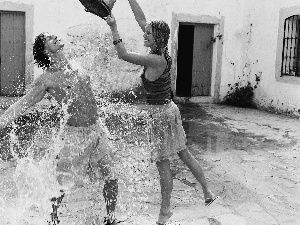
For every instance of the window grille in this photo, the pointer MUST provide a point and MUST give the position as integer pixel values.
(291, 47)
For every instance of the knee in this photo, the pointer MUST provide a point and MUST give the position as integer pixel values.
(66, 180)
(183, 153)
(105, 168)
(111, 184)
(164, 170)
(163, 165)
(64, 165)
(110, 189)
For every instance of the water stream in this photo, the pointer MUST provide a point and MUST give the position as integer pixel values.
(29, 181)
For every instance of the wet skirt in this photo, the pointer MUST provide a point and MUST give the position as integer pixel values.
(165, 130)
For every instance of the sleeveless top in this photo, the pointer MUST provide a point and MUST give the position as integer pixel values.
(158, 92)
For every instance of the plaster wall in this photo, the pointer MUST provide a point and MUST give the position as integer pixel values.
(263, 47)
(68, 17)
(252, 47)
(249, 43)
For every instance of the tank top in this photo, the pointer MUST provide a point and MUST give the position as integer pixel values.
(158, 92)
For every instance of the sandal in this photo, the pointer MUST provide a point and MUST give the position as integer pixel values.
(209, 201)
(108, 221)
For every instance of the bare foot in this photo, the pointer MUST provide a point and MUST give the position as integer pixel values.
(163, 217)
(208, 194)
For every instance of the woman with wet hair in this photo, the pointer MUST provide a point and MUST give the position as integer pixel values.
(167, 135)
(86, 145)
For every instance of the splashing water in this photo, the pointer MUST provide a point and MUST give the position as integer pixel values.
(26, 199)
(137, 175)
(33, 182)
(29, 183)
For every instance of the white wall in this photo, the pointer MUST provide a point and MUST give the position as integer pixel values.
(250, 38)
(250, 46)
(273, 94)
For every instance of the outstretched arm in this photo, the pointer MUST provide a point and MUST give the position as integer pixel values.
(150, 60)
(36, 94)
(138, 14)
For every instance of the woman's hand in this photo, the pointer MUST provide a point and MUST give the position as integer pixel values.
(111, 21)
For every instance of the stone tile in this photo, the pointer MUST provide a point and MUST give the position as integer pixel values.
(254, 213)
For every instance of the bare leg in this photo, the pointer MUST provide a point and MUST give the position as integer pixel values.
(166, 185)
(196, 170)
(110, 193)
(110, 189)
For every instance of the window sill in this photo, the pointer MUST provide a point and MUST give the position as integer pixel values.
(288, 80)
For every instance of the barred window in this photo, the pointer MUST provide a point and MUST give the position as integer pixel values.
(290, 65)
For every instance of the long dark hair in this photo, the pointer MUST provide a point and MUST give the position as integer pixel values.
(39, 55)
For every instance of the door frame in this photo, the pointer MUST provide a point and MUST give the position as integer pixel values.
(217, 47)
(28, 9)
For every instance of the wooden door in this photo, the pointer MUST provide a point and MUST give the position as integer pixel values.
(202, 60)
(12, 53)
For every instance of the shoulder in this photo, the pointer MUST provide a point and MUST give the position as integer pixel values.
(45, 80)
(159, 61)
(40, 79)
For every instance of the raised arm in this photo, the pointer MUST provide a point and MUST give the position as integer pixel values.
(149, 60)
(138, 14)
(36, 94)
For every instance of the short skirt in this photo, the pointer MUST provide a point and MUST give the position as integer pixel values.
(165, 131)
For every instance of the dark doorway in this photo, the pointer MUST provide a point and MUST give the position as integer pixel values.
(194, 59)
(185, 60)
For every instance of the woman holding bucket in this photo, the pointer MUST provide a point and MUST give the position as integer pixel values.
(167, 133)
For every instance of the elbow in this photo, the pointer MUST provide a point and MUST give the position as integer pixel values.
(122, 55)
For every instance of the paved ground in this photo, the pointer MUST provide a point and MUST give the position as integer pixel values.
(250, 158)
